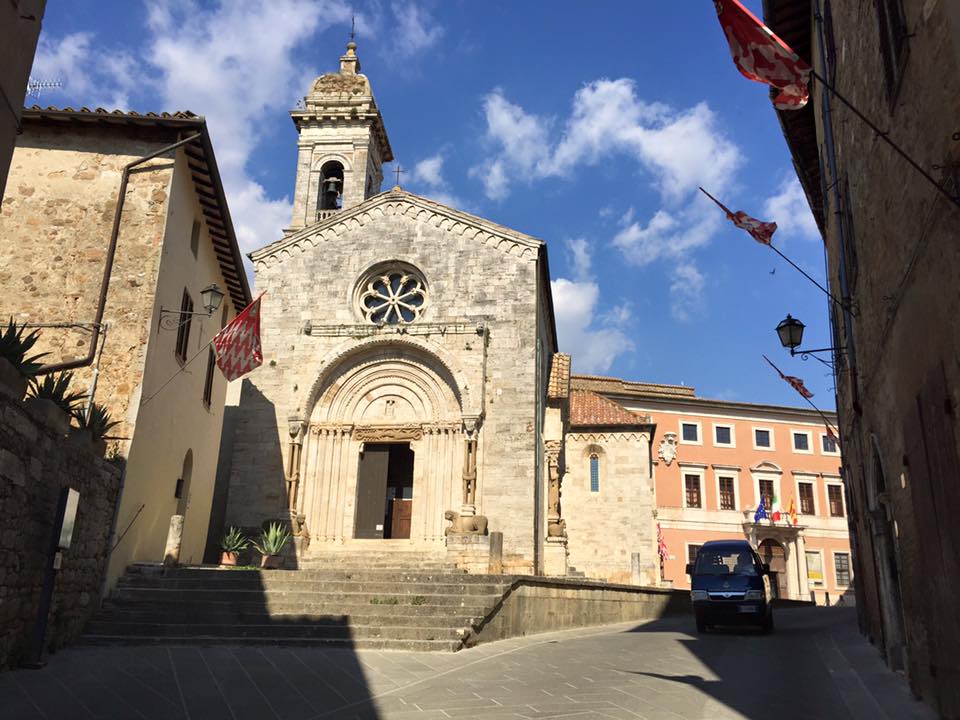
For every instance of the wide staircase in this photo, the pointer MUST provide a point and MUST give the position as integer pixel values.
(396, 601)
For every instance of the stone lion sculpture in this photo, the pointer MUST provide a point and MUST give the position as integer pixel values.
(465, 524)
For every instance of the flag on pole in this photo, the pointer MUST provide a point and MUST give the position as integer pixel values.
(792, 512)
(759, 230)
(761, 512)
(237, 346)
(775, 509)
(661, 545)
(762, 56)
(795, 382)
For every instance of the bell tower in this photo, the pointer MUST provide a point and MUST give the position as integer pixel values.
(343, 144)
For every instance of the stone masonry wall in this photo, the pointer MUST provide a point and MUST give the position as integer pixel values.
(35, 463)
(898, 397)
(469, 282)
(55, 227)
(605, 528)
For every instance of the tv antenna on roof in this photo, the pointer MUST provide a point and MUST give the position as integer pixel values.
(35, 87)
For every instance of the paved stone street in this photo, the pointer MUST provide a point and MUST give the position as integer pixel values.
(814, 666)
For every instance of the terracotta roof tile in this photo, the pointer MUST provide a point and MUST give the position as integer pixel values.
(558, 386)
(587, 409)
(602, 384)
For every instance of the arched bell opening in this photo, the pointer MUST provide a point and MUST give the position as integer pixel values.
(331, 186)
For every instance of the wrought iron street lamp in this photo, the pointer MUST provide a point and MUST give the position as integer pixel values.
(790, 331)
(210, 299)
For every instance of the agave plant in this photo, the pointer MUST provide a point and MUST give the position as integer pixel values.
(98, 422)
(56, 387)
(272, 540)
(234, 541)
(14, 347)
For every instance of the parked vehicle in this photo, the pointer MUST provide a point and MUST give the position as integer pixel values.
(730, 586)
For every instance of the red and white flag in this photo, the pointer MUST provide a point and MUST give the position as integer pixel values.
(762, 56)
(795, 382)
(237, 346)
(759, 230)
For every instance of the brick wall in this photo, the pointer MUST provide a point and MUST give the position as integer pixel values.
(35, 464)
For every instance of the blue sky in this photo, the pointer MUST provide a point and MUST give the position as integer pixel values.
(587, 126)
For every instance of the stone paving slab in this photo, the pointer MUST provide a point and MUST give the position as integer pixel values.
(814, 666)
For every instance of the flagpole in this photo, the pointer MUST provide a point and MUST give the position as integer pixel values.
(885, 137)
(809, 401)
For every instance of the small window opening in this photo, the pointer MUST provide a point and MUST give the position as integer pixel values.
(594, 473)
(331, 186)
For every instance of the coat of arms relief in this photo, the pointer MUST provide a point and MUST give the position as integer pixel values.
(668, 447)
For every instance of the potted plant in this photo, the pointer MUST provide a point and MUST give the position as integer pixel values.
(271, 544)
(95, 425)
(51, 397)
(232, 543)
(16, 367)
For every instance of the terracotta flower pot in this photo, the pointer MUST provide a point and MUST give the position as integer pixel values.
(271, 562)
(228, 558)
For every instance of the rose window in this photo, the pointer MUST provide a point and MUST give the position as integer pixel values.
(395, 297)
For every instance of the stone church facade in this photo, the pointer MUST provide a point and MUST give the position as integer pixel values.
(412, 394)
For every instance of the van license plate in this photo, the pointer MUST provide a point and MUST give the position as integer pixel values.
(747, 608)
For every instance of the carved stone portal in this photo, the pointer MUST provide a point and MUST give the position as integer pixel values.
(668, 447)
(391, 433)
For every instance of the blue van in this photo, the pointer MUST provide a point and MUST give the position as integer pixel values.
(729, 585)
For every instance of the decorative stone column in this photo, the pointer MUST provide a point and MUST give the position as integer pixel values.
(555, 550)
(301, 535)
(469, 506)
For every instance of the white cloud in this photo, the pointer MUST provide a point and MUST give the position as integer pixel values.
(789, 209)
(593, 348)
(580, 258)
(415, 30)
(430, 171)
(94, 79)
(686, 291)
(429, 174)
(669, 234)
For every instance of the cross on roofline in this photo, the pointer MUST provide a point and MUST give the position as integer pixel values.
(398, 170)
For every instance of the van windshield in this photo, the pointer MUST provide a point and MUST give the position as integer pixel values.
(725, 562)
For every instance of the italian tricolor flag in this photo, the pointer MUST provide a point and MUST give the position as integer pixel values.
(775, 509)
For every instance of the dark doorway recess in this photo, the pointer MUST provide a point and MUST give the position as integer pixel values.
(384, 491)
(772, 553)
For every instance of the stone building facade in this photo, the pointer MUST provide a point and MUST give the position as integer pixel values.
(894, 260)
(173, 238)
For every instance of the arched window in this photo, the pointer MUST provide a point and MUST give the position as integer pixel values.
(594, 473)
(331, 185)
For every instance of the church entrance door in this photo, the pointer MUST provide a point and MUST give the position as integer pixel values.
(384, 491)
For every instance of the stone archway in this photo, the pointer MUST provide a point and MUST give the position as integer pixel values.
(378, 396)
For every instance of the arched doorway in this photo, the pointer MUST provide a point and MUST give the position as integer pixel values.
(383, 451)
(772, 553)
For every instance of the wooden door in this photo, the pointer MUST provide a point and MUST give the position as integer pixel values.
(371, 491)
(401, 512)
(772, 553)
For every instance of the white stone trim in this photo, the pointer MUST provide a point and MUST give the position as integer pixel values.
(653, 406)
(822, 437)
(735, 474)
(823, 570)
(733, 435)
(827, 482)
(793, 443)
(681, 423)
(757, 476)
(686, 552)
(753, 438)
(810, 478)
(700, 473)
(849, 555)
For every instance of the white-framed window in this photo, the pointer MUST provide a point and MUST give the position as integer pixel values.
(724, 435)
(842, 573)
(815, 574)
(801, 441)
(690, 432)
(828, 446)
(692, 550)
(691, 480)
(807, 503)
(728, 492)
(763, 439)
(766, 486)
(836, 502)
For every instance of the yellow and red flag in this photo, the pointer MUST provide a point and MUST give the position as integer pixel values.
(762, 56)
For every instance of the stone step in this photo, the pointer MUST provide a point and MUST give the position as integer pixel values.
(395, 587)
(357, 574)
(208, 594)
(360, 616)
(275, 630)
(352, 643)
(181, 609)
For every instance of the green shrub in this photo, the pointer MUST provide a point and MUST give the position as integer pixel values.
(56, 388)
(14, 348)
(272, 540)
(98, 423)
(234, 541)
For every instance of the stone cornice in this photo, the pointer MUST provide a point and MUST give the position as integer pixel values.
(400, 202)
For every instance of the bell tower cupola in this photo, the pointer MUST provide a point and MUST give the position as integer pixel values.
(342, 146)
